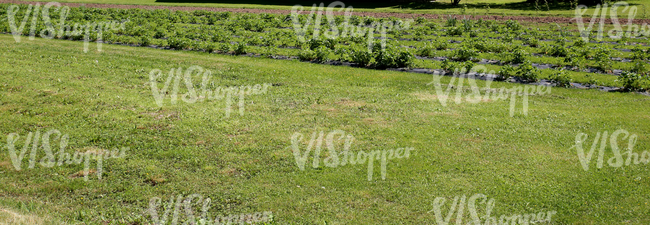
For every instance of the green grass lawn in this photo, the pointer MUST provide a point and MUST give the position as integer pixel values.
(473, 7)
(103, 100)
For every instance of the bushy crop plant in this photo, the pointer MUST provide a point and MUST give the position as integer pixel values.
(360, 56)
(640, 67)
(505, 72)
(575, 61)
(224, 48)
(315, 43)
(467, 25)
(532, 42)
(602, 56)
(427, 50)
(451, 22)
(513, 26)
(640, 53)
(322, 53)
(561, 78)
(558, 49)
(518, 55)
(633, 81)
(440, 44)
(392, 57)
(240, 49)
(179, 43)
(455, 31)
(307, 54)
(527, 73)
(580, 43)
(465, 53)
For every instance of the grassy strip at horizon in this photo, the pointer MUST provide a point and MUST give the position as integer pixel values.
(245, 164)
(473, 7)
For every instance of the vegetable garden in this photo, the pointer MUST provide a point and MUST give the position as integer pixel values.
(550, 52)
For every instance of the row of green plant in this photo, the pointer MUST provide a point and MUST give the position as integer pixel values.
(234, 33)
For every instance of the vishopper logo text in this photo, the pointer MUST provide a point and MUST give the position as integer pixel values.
(191, 96)
(314, 19)
(50, 159)
(346, 157)
(617, 32)
(459, 77)
(458, 207)
(63, 29)
(617, 160)
(187, 212)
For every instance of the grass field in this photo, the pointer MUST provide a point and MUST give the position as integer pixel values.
(472, 7)
(245, 164)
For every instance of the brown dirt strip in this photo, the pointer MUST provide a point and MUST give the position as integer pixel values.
(307, 9)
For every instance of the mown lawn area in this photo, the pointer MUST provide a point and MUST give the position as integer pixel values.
(245, 164)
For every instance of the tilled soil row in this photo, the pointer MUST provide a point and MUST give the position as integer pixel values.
(371, 14)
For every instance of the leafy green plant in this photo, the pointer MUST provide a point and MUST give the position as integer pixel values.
(532, 42)
(145, 41)
(179, 43)
(558, 49)
(210, 47)
(602, 58)
(467, 25)
(433, 26)
(527, 73)
(513, 25)
(639, 53)
(505, 72)
(455, 31)
(427, 50)
(451, 22)
(420, 20)
(240, 49)
(322, 53)
(574, 61)
(640, 66)
(561, 78)
(307, 55)
(580, 43)
(632, 81)
(361, 57)
(393, 58)
(224, 47)
(440, 44)
(518, 55)
(465, 53)
(315, 43)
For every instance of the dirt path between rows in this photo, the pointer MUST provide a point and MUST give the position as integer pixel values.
(643, 22)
